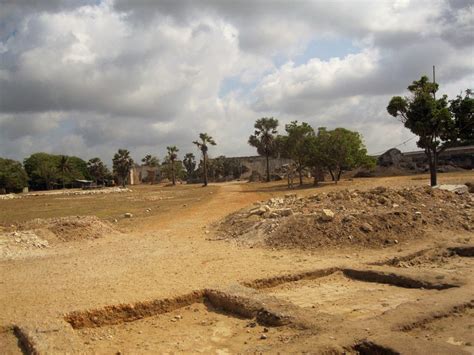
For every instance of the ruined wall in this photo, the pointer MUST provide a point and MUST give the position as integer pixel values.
(258, 164)
(462, 157)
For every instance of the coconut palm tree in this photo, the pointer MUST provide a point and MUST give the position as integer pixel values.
(172, 156)
(202, 145)
(264, 139)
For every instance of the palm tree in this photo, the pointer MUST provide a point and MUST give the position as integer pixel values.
(264, 139)
(202, 146)
(65, 168)
(151, 162)
(122, 164)
(172, 156)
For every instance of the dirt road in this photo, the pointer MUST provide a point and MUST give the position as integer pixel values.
(175, 253)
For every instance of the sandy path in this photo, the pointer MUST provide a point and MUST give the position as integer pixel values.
(171, 257)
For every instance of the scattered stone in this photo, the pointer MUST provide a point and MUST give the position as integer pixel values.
(263, 336)
(459, 189)
(366, 227)
(284, 212)
(128, 215)
(327, 215)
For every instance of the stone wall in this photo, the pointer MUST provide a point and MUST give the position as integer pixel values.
(258, 165)
(461, 157)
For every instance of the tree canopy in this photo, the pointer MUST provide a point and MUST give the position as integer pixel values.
(338, 150)
(97, 170)
(13, 177)
(296, 145)
(46, 170)
(202, 145)
(122, 163)
(436, 124)
(264, 139)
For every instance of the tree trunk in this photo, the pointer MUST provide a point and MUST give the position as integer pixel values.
(300, 173)
(332, 175)
(339, 175)
(433, 162)
(173, 176)
(268, 169)
(205, 168)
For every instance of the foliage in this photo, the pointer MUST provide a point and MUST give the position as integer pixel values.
(264, 139)
(168, 170)
(13, 177)
(98, 170)
(339, 150)
(222, 167)
(462, 108)
(202, 145)
(189, 163)
(152, 163)
(172, 156)
(296, 145)
(46, 170)
(435, 124)
(122, 163)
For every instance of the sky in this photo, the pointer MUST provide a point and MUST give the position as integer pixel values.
(88, 77)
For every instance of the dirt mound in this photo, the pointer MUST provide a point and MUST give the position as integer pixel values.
(69, 228)
(375, 218)
(20, 243)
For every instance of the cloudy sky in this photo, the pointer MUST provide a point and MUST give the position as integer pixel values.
(88, 77)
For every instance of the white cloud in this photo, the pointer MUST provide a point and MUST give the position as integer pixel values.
(86, 78)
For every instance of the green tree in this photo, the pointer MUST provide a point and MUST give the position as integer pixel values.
(296, 145)
(48, 172)
(97, 170)
(189, 163)
(64, 168)
(429, 118)
(264, 139)
(177, 170)
(151, 162)
(122, 164)
(462, 109)
(78, 168)
(202, 145)
(42, 170)
(13, 177)
(172, 156)
(339, 150)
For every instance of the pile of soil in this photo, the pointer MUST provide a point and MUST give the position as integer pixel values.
(69, 228)
(375, 218)
(14, 244)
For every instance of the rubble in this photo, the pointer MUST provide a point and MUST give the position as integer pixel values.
(378, 217)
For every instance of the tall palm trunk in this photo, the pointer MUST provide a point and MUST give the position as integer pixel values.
(205, 168)
(173, 176)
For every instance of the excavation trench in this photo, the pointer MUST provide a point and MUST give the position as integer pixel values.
(429, 257)
(370, 348)
(376, 276)
(243, 306)
(202, 321)
(13, 340)
(349, 293)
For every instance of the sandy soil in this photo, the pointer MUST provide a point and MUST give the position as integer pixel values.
(171, 250)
